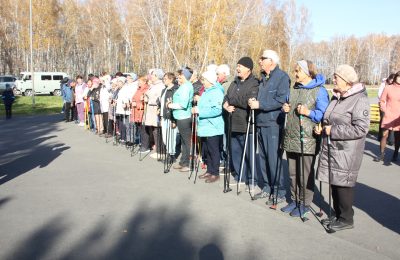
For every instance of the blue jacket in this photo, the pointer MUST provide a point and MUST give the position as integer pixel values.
(67, 93)
(210, 121)
(183, 96)
(8, 97)
(272, 94)
(322, 101)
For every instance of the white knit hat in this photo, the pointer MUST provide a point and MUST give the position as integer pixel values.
(210, 76)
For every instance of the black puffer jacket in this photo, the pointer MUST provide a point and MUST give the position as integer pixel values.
(238, 94)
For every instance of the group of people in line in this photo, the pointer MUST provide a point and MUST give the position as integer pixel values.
(160, 110)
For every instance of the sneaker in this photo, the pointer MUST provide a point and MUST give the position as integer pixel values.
(81, 124)
(261, 195)
(327, 221)
(279, 200)
(154, 155)
(338, 225)
(144, 151)
(289, 207)
(300, 213)
(184, 169)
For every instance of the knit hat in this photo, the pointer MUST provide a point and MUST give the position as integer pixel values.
(247, 62)
(210, 76)
(159, 73)
(347, 73)
(304, 67)
(186, 73)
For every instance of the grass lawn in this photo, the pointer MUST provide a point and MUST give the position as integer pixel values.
(43, 105)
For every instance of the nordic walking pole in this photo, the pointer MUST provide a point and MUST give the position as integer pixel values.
(198, 156)
(320, 214)
(167, 137)
(244, 155)
(303, 218)
(228, 156)
(143, 127)
(192, 146)
(253, 154)
(329, 230)
(275, 198)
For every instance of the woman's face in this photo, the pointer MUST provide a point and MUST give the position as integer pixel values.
(141, 83)
(166, 80)
(181, 79)
(340, 85)
(300, 75)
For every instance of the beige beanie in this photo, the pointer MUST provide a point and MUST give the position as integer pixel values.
(347, 73)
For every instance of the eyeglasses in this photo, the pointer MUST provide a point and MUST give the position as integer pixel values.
(264, 58)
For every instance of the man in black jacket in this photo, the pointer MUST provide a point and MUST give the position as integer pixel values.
(243, 88)
(273, 93)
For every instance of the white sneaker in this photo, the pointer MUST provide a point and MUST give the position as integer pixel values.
(154, 155)
(81, 124)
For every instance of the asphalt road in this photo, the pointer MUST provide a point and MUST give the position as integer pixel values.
(67, 194)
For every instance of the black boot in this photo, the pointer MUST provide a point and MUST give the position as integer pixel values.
(395, 156)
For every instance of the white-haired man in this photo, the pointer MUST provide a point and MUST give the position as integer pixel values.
(224, 76)
(272, 94)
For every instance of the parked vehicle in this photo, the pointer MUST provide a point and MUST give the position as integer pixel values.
(45, 83)
(4, 80)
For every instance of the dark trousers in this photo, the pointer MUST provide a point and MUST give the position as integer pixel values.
(8, 108)
(68, 111)
(211, 147)
(122, 125)
(296, 180)
(105, 122)
(185, 127)
(343, 198)
(237, 149)
(144, 137)
(268, 140)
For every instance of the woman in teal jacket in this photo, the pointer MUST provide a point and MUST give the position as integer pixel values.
(210, 126)
(181, 110)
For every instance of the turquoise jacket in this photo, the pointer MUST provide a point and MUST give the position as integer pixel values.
(210, 121)
(183, 96)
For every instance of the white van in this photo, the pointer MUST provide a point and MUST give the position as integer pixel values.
(45, 83)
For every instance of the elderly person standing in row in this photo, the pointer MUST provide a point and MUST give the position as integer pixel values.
(272, 94)
(210, 124)
(243, 88)
(309, 100)
(152, 99)
(182, 106)
(346, 122)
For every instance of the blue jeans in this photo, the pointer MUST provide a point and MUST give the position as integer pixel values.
(269, 159)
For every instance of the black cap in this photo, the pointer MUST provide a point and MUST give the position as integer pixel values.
(247, 62)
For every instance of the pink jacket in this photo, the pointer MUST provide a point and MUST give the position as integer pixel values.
(390, 104)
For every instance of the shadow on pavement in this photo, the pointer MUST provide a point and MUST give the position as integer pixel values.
(23, 146)
(381, 206)
(150, 233)
(4, 201)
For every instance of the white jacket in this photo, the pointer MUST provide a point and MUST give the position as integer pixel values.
(125, 96)
(105, 95)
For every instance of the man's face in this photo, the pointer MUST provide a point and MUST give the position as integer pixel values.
(242, 71)
(265, 64)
